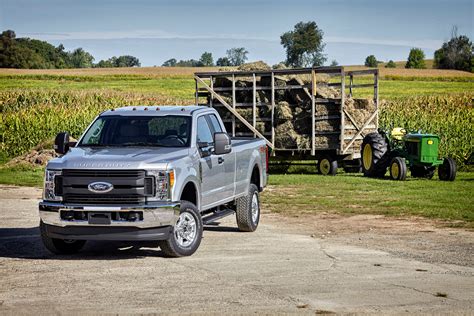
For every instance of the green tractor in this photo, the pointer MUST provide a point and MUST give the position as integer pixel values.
(401, 151)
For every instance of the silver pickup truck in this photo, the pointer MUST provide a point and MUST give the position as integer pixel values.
(150, 173)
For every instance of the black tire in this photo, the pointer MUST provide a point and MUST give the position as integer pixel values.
(173, 247)
(60, 246)
(377, 155)
(422, 172)
(447, 171)
(247, 220)
(327, 166)
(398, 169)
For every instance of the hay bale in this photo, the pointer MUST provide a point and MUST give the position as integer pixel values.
(286, 136)
(283, 111)
(280, 66)
(257, 65)
(326, 92)
(360, 109)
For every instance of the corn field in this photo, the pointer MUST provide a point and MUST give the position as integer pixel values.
(30, 117)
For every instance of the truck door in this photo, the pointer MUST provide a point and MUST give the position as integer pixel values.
(228, 159)
(212, 168)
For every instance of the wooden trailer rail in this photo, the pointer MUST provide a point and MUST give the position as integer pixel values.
(205, 88)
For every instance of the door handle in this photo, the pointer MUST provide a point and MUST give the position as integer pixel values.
(220, 160)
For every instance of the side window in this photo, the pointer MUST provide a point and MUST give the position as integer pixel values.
(216, 127)
(203, 131)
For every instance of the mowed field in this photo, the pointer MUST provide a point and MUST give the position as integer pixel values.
(36, 104)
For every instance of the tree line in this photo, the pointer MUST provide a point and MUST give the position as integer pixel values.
(234, 57)
(26, 53)
(457, 53)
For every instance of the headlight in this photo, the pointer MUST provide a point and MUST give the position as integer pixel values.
(164, 181)
(49, 185)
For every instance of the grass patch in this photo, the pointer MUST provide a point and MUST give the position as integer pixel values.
(22, 176)
(298, 194)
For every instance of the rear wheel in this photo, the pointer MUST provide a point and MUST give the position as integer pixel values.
(398, 169)
(187, 232)
(422, 172)
(327, 166)
(248, 210)
(375, 155)
(60, 246)
(447, 171)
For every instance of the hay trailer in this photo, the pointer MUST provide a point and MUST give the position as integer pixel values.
(302, 114)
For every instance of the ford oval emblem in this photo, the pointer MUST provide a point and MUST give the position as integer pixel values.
(100, 187)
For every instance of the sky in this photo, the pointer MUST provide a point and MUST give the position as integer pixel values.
(155, 31)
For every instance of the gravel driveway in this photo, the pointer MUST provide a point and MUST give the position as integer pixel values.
(308, 265)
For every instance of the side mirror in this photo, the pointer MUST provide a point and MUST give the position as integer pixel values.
(61, 143)
(222, 143)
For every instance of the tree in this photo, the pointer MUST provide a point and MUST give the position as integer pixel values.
(81, 59)
(304, 45)
(170, 63)
(126, 61)
(457, 53)
(206, 59)
(416, 59)
(237, 56)
(223, 62)
(371, 61)
(334, 63)
(189, 63)
(391, 64)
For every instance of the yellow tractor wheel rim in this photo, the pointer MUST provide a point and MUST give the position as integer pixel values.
(395, 170)
(325, 166)
(367, 156)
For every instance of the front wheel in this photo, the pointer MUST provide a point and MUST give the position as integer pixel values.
(248, 210)
(60, 246)
(447, 171)
(187, 233)
(398, 169)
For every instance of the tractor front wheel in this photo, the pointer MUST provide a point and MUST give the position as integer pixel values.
(398, 169)
(447, 171)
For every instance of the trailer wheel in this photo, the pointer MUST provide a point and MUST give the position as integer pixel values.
(398, 169)
(422, 172)
(375, 155)
(354, 166)
(248, 210)
(327, 166)
(447, 171)
(187, 232)
(60, 246)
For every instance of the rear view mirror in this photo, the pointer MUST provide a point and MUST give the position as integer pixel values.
(61, 143)
(222, 144)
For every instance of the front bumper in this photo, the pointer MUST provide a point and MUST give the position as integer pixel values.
(154, 215)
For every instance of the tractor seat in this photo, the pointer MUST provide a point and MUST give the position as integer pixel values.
(398, 133)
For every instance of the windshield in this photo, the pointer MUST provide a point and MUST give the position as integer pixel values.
(121, 131)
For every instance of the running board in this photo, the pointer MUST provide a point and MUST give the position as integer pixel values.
(217, 215)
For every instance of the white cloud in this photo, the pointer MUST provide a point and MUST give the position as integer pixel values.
(419, 43)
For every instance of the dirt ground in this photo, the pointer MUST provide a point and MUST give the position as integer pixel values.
(312, 264)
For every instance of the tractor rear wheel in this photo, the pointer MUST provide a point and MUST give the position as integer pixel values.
(447, 171)
(375, 155)
(327, 166)
(422, 172)
(398, 169)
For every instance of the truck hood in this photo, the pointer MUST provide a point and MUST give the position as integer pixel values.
(117, 158)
